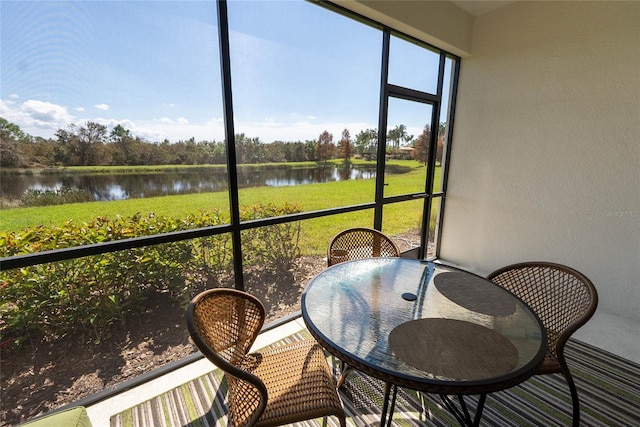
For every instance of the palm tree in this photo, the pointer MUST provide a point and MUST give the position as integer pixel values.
(397, 134)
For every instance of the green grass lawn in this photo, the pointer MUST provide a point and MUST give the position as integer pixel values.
(398, 217)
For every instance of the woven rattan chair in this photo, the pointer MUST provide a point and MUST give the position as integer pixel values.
(280, 385)
(563, 298)
(360, 242)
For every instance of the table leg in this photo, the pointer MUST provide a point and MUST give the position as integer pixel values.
(479, 409)
(390, 390)
(462, 414)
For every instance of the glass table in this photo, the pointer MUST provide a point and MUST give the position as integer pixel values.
(424, 326)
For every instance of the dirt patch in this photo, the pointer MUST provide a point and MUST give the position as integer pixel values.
(46, 375)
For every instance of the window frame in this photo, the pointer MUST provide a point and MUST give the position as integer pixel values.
(235, 227)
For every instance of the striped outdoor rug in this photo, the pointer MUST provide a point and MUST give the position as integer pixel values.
(609, 389)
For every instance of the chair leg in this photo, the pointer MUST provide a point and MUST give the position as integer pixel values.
(341, 420)
(344, 371)
(572, 388)
(575, 400)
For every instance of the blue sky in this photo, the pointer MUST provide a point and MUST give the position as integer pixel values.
(153, 67)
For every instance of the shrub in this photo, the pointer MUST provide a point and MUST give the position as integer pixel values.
(275, 246)
(90, 294)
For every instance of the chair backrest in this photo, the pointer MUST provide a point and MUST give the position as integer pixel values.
(360, 242)
(562, 297)
(224, 324)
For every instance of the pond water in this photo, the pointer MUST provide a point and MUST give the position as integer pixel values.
(105, 187)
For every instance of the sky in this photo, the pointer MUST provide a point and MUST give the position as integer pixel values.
(153, 67)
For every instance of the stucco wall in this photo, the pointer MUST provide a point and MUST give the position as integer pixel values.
(546, 151)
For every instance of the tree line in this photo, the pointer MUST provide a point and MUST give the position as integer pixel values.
(92, 144)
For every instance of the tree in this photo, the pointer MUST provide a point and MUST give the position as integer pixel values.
(124, 151)
(346, 150)
(12, 132)
(397, 134)
(310, 150)
(275, 152)
(366, 142)
(439, 148)
(421, 152)
(422, 144)
(442, 128)
(66, 152)
(11, 139)
(79, 145)
(90, 137)
(211, 152)
(249, 150)
(119, 132)
(38, 152)
(324, 147)
(296, 152)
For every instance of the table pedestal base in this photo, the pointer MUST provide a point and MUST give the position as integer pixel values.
(461, 414)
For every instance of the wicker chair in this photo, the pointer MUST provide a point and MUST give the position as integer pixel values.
(281, 385)
(563, 298)
(360, 242)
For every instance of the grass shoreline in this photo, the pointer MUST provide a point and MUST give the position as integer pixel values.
(141, 169)
(398, 217)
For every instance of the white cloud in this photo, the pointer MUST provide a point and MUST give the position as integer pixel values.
(103, 107)
(38, 118)
(179, 129)
(45, 111)
(14, 96)
(80, 109)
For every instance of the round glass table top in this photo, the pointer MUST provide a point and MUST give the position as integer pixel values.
(423, 324)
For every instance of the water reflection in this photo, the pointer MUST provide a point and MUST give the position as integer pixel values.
(105, 187)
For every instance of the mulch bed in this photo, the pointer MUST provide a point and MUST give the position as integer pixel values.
(42, 376)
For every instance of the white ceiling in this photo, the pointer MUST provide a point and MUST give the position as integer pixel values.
(478, 7)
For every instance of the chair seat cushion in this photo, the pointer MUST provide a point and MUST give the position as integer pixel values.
(298, 380)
